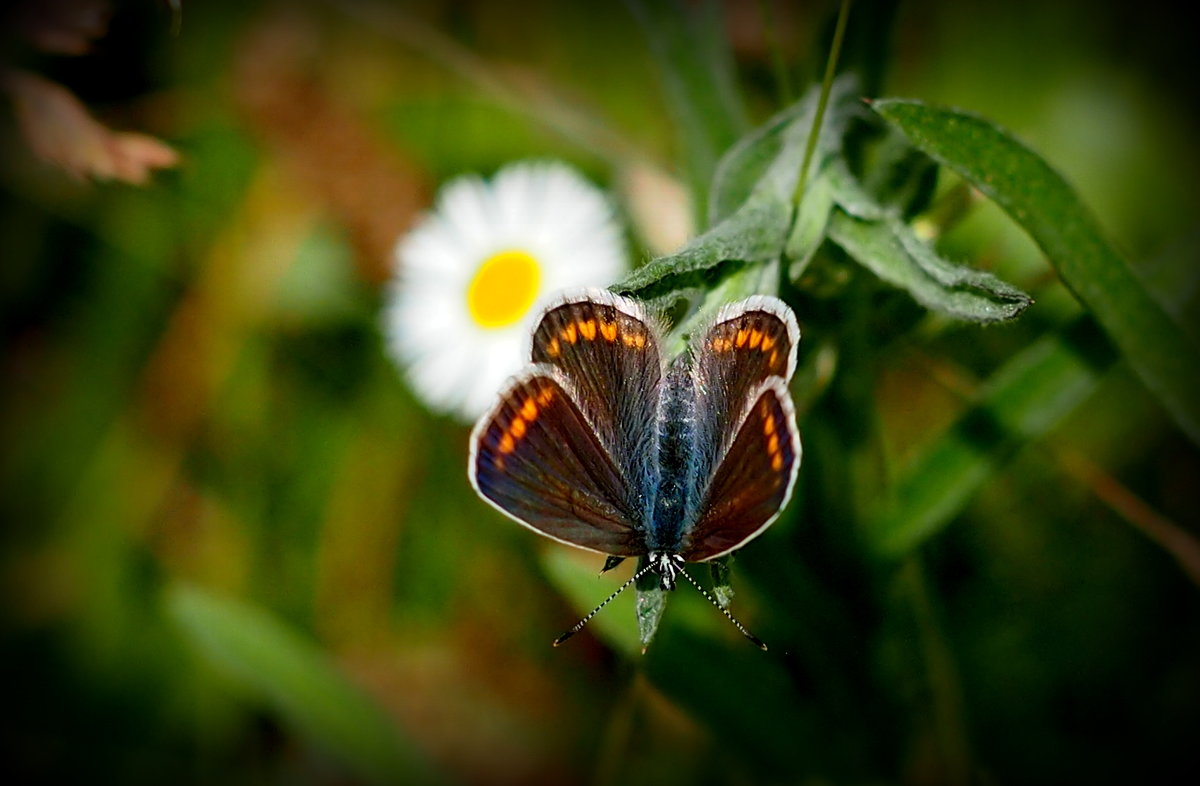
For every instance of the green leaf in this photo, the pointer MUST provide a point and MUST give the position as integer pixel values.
(900, 176)
(810, 226)
(752, 203)
(746, 163)
(689, 46)
(754, 234)
(851, 196)
(890, 249)
(1044, 204)
(295, 679)
(1019, 403)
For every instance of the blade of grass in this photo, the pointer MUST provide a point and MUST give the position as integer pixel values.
(826, 86)
(1021, 402)
(1174, 539)
(1044, 204)
(292, 676)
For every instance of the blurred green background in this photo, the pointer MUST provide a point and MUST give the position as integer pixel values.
(236, 549)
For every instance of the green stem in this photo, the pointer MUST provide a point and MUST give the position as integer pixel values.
(826, 86)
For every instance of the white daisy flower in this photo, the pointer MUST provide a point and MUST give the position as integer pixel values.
(473, 275)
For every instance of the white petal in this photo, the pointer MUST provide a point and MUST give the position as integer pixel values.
(543, 208)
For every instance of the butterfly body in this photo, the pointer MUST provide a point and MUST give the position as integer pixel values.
(603, 444)
(675, 463)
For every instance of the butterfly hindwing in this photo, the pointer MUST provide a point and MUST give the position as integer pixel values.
(536, 458)
(608, 350)
(754, 479)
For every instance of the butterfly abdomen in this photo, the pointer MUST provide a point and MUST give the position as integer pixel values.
(675, 449)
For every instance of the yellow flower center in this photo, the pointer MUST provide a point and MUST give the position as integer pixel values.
(503, 288)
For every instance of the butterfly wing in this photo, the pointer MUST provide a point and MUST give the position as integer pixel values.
(741, 366)
(608, 349)
(535, 457)
(754, 480)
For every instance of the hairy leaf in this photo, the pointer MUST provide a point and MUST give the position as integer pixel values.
(890, 249)
(752, 204)
(1040, 200)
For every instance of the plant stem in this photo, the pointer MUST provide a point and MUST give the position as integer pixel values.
(826, 86)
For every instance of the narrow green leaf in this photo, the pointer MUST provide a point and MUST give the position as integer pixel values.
(689, 46)
(851, 196)
(291, 675)
(754, 234)
(810, 225)
(890, 249)
(744, 165)
(1040, 200)
(752, 202)
(1020, 403)
(900, 176)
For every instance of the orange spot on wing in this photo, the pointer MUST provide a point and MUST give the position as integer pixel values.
(588, 329)
(769, 426)
(608, 330)
(772, 443)
(553, 349)
(777, 462)
(529, 409)
(774, 360)
(767, 343)
(507, 443)
(545, 396)
(569, 333)
(517, 429)
(756, 337)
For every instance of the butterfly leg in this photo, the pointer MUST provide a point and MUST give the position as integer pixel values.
(667, 566)
(611, 562)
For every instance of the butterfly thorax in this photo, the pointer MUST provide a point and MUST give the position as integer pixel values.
(676, 435)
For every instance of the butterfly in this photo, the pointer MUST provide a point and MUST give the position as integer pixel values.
(604, 444)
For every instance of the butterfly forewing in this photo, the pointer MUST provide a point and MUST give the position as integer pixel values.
(609, 352)
(754, 479)
(748, 343)
(536, 458)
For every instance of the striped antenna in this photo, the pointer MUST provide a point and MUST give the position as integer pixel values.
(579, 625)
(757, 641)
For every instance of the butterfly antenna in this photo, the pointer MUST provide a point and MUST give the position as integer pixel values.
(579, 625)
(757, 641)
